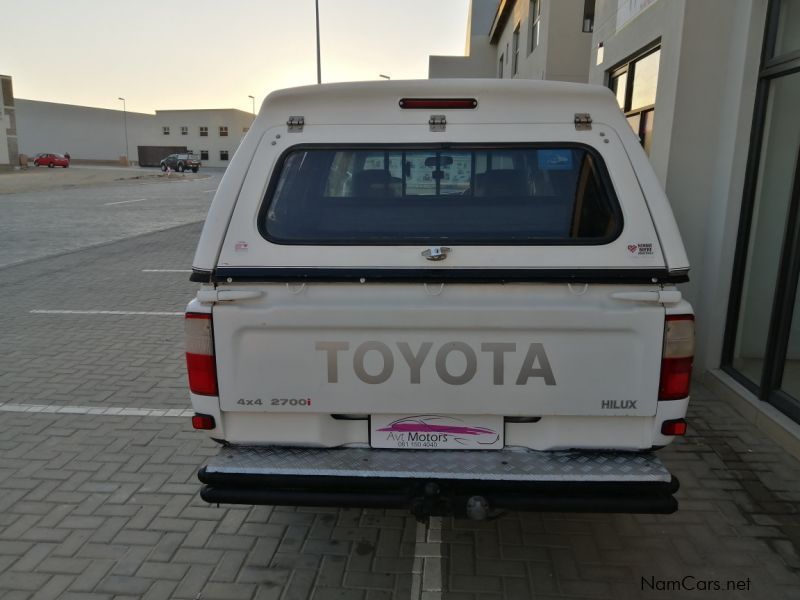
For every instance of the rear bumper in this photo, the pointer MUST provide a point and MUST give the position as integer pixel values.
(441, 482)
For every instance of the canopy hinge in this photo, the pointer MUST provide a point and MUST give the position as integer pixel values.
(583, 121)
(438, 122)
(295, 124)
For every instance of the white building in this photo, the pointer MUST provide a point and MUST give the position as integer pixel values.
(99, 135)
(8, 123)
(479, 58)
(537, 39)
(214, 134)
(88, 134)
(712, 87)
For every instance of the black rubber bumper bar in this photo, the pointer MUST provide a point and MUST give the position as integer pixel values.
(439, 497)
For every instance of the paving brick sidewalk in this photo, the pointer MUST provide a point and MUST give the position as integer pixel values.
(739, 519)
(107, 507)
(94, 360)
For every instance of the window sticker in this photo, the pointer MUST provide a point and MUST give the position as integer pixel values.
(555, 160)
(641, 249)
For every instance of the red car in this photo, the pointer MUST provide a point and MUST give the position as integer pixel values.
(51, 160)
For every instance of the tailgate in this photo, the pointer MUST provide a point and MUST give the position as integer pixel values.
(513, 350)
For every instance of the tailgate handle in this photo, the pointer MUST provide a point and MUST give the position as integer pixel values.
(211, 296)
(662, 297)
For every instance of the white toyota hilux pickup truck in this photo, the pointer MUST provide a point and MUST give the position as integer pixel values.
(450, 296)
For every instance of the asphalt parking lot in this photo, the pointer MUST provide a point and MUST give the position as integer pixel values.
(98, 458)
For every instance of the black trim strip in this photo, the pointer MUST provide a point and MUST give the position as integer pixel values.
(413, 275)
(201, 276)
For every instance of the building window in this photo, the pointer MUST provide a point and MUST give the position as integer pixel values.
(761, 348)
(785, 29)
(515, 55)
(500, 68)
(223, 131)
(165, 130)
(184, 130)
(588, 16)
(634, 84)
(223, 155)
(204, 132)
(203, 154)
(535, 19)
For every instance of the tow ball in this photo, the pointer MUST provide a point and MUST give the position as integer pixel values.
(431, 502)
(477, 508)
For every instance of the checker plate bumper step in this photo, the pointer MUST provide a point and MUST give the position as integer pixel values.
(440, 481)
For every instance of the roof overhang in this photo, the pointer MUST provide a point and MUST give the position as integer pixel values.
(501, 16)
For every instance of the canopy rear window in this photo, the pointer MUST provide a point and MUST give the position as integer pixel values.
(537, 194)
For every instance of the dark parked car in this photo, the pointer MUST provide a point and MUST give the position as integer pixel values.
(51, 160)
(181, 162)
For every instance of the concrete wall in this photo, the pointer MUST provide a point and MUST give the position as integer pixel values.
(532, 65)
(236, 121)
(704, 105)
(663, 20)
(84, 132)
(481, 63)
(568, 46)
(479, 58)
(562, 53)
(8, 123)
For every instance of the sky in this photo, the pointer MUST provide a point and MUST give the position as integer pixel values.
(181, 54)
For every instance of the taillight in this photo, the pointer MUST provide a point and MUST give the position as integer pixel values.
(200, 354)
(677, 357)
(203, 421)
(674, 427)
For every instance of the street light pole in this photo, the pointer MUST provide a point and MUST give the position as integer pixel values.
(319, 67)
(253, 98)
(125, 120)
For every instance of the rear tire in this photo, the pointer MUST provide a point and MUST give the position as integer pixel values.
(194, 170)
(181, 168)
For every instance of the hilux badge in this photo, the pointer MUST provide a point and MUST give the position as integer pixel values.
(618, 404)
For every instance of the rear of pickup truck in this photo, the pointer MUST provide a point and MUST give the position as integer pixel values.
(451, 297)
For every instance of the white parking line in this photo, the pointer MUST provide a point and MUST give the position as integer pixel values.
(124, 201)
(426, 576)
(166, 270)
(106, 312)
(122, 411)
(209, 191)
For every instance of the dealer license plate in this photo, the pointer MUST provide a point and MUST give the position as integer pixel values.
(437, 432)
